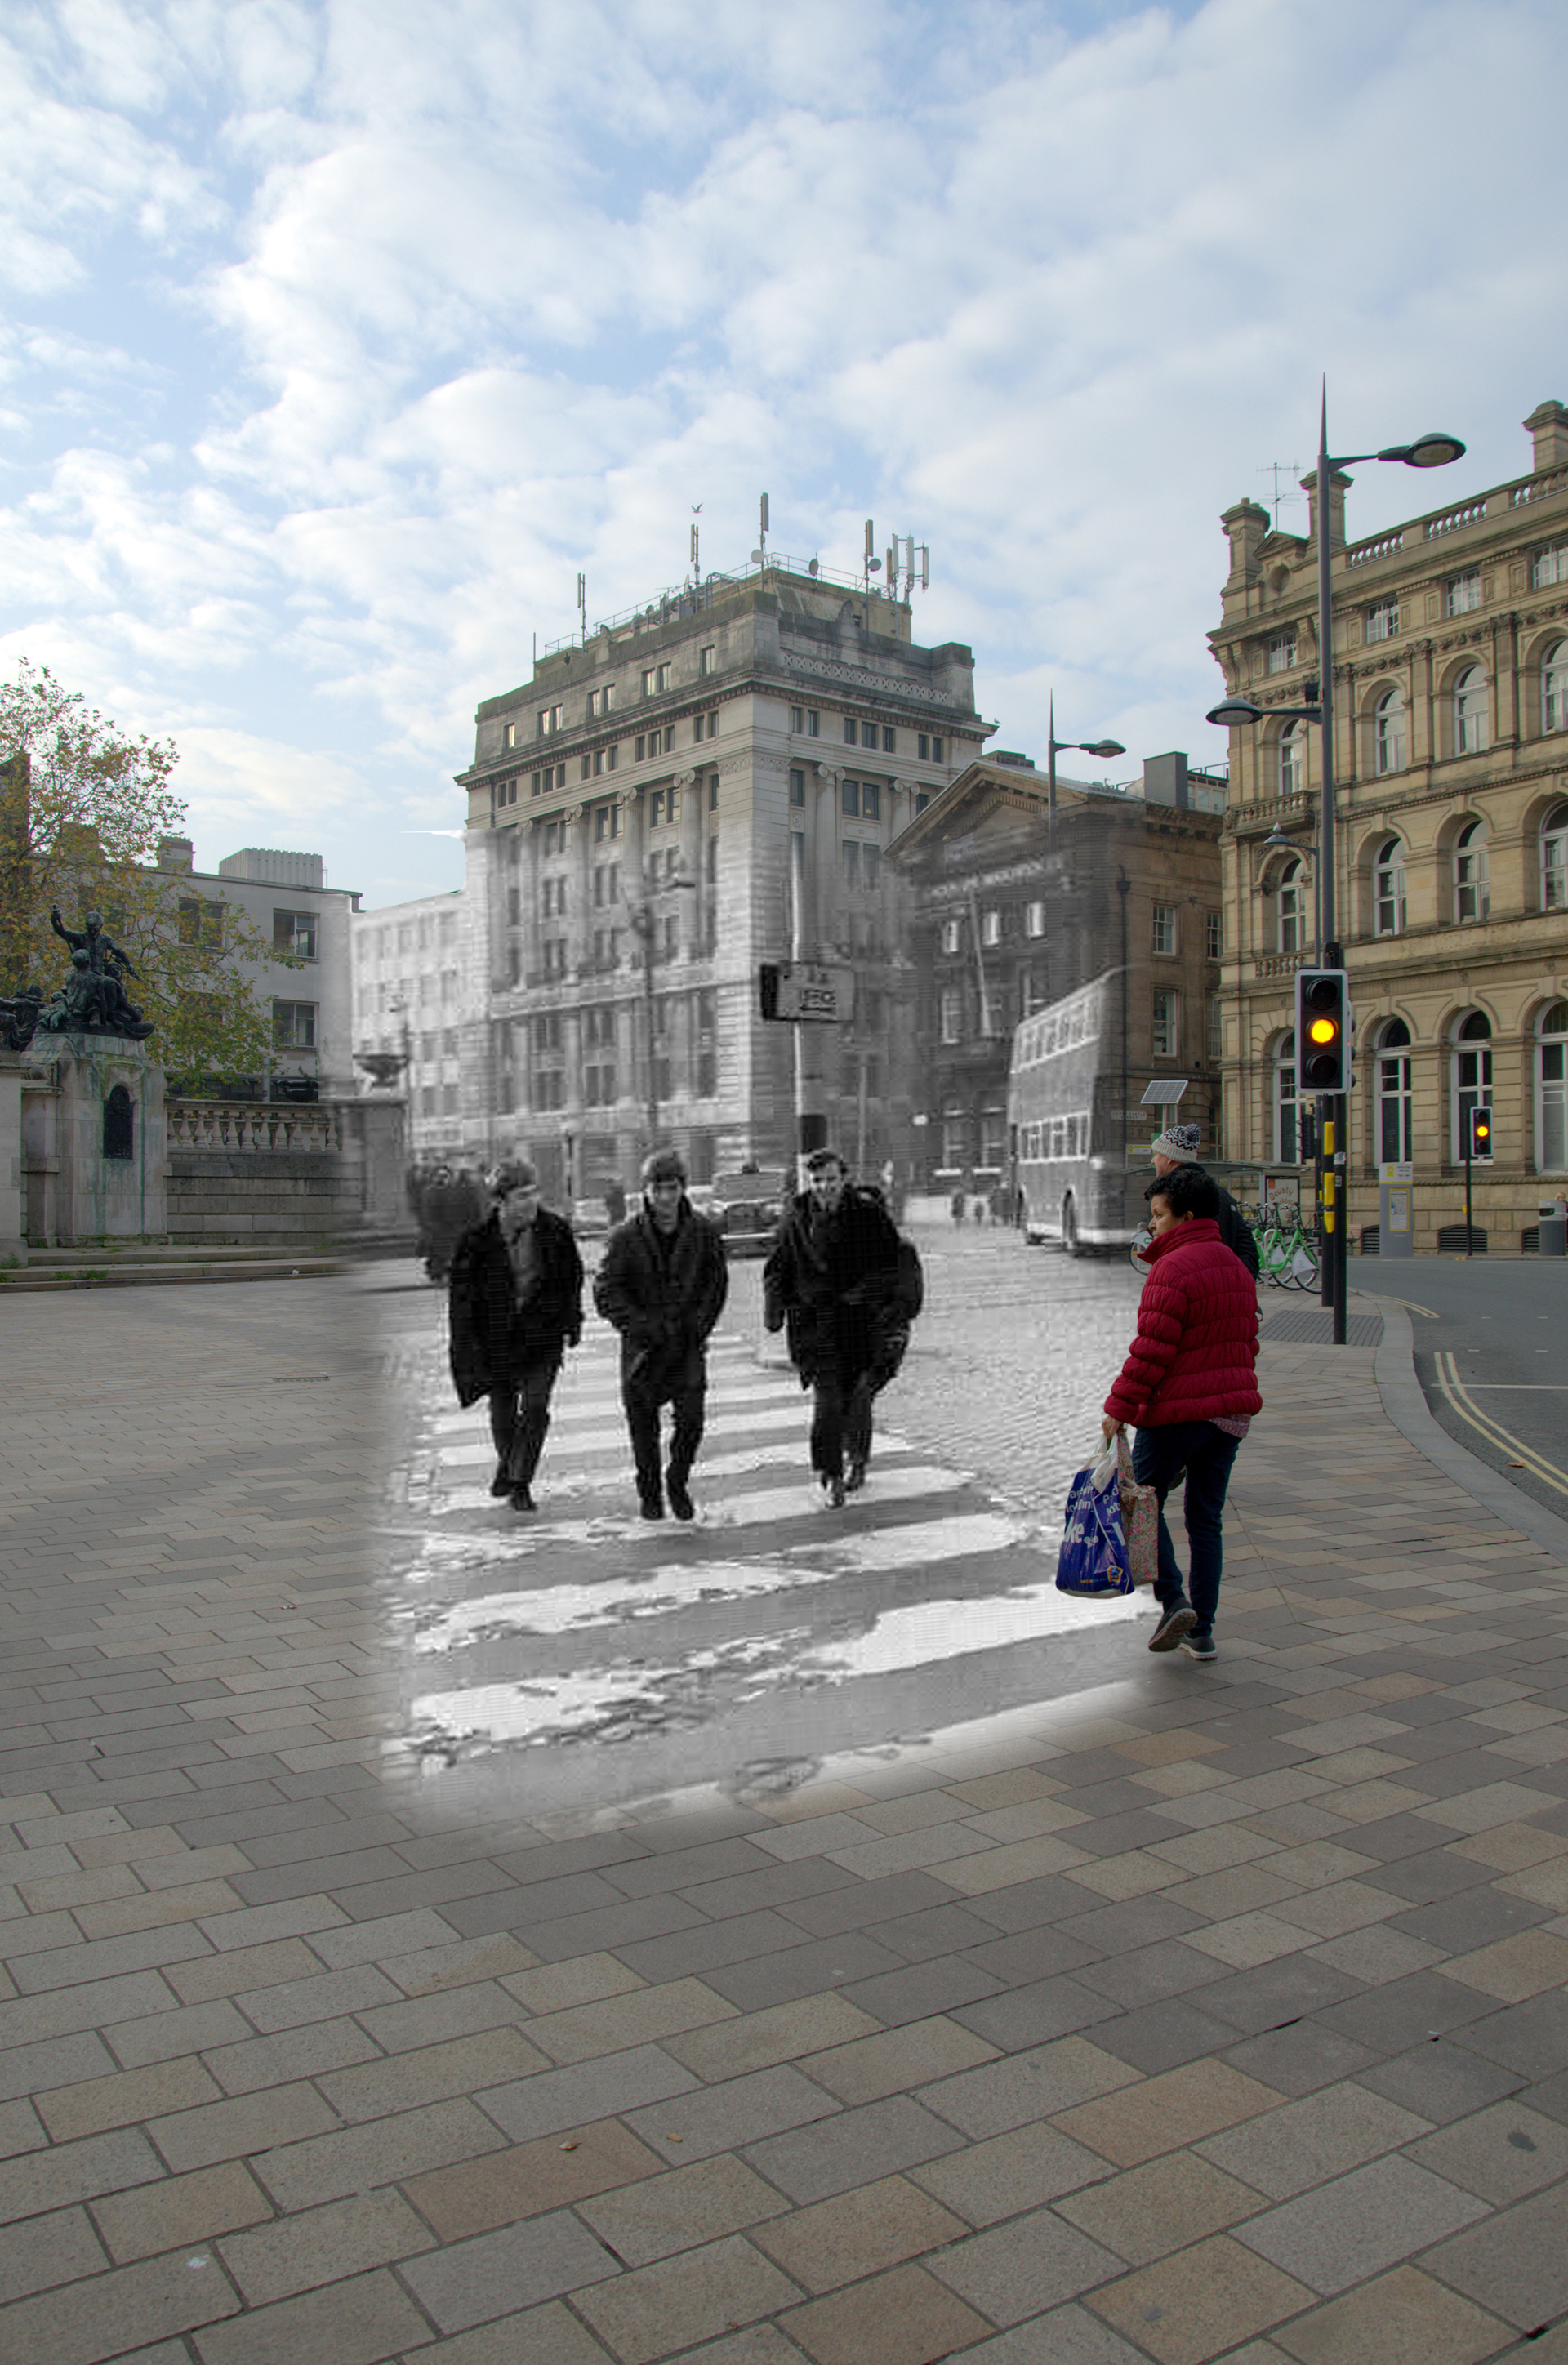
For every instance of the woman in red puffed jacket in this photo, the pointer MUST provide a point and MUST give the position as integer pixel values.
(1188, 1388)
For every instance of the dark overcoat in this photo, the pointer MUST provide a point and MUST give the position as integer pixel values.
(834, 1286)
(492, 1338)
(664, 1311)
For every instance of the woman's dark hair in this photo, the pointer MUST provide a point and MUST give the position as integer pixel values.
(1187, 1191)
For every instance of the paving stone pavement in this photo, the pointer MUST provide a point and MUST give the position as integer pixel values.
(1238, 2029)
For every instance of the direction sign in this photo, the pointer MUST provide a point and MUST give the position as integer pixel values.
(822, 991)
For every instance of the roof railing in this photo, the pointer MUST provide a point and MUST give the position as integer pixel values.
(689, 598)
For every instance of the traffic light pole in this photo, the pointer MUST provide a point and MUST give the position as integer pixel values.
(1468, 1146)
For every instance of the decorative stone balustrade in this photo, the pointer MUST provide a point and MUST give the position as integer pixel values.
(1467, 513)
(259, 1126)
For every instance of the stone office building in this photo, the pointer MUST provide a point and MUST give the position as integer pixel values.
(998, 929)
(636, 813)
(1450, 672)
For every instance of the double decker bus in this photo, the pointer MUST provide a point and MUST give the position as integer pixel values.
(1065, 1119)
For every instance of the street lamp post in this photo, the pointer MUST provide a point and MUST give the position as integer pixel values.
(1054, 746)
(643, 922)
(1434, 449)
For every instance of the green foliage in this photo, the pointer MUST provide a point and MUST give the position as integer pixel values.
(82, 810)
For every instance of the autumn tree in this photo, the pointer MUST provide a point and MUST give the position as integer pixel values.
(84, 810)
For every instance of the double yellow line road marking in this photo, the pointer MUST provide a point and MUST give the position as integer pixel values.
(1469, 1411)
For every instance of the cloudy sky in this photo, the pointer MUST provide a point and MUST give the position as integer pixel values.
(338, 337)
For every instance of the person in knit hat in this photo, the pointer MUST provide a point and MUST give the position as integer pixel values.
(1178, 1146)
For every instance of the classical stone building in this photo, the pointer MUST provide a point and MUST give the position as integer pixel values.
(999, 930)
(414, 994)
(1450, 671)
(636, 813)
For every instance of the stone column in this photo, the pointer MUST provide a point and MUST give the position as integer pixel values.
(12, 1242)
(578, 886)
(694, 788)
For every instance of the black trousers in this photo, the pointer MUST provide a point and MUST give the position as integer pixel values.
(519, 1417)
(841, 1418)
(643, 1401)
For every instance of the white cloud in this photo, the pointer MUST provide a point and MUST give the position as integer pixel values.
(435, 308)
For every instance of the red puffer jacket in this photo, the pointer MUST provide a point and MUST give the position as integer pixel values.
(1197, 1335)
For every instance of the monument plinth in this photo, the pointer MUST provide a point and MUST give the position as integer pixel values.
(94, 1150)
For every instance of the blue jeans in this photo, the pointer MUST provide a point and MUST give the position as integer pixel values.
(1205, 1453)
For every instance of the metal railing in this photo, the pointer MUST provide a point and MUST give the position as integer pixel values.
(693, 599)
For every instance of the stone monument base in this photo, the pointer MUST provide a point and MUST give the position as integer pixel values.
(94, 1146)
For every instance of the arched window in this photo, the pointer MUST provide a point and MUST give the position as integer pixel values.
(1290, 895)
(1472, 875)
(1395, 1132)
(1551, 1091)
(1554, 689)
(1389, 728)
(1286, 1136)
(1293, 759)
(120, 1123)
(1388, 889)
(1471, 711)
(1554, 860)
(1472, 1073)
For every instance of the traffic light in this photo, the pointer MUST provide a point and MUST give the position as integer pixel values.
(1322, 1031)
(1478, 1132)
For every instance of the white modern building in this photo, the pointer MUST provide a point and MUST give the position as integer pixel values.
(414, 995)
(286, 898)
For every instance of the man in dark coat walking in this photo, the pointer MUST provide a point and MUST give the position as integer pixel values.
(662, 1283)
(516, 1304)
(832, 1283)
(1178, 1146)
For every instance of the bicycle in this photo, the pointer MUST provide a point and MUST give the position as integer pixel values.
(1287, 1256)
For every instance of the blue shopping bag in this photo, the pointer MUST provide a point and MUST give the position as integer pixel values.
(1093, 1559)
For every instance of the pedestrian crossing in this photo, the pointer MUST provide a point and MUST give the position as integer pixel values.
(771, 1628)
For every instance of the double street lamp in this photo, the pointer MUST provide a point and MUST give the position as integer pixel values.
(1104, 748)
(1434, 449)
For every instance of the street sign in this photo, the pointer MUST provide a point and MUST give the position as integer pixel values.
(820, 990)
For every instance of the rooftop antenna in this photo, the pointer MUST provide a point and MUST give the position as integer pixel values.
(696, 546)
(1278, 468)
(873, 563)
(762, 531)
(582, 605)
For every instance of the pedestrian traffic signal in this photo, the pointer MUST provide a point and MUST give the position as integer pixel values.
(1322, 1031)
(1478, 1133)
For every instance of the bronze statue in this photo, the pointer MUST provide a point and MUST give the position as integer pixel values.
(19, 1017)
(93, 1000)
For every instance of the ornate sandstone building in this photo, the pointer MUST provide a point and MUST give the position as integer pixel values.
(1451, 670)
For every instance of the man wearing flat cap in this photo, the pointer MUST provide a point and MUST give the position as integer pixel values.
(1178, 1146)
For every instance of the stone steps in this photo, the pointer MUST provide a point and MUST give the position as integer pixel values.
(58, 1269)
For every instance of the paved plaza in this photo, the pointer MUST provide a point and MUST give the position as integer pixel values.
(844, 2006)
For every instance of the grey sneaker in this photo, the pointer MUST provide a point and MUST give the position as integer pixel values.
(1174, 1625)
(1199, 1646)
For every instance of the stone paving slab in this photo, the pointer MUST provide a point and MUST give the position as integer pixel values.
(1222, 2012)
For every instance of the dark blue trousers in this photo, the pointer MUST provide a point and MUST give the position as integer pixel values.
(1205, 1453)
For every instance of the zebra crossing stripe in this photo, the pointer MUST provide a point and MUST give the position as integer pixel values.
(611, 1702)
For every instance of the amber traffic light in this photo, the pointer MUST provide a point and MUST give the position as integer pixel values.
(1322, 1031)
(1478, 1133)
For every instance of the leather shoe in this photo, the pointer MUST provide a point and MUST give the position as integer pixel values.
(500, 1484)
(855, 1477)
(680, 1501)
(651, 1507)
(522, 1499)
